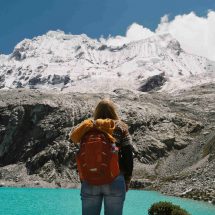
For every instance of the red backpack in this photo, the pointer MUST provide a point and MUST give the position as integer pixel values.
(97, 159)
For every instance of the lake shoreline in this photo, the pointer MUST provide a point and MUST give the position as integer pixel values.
(34, 201)
(144, 185)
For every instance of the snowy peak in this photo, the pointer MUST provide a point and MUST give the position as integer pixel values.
(79, 63)
(51, 43)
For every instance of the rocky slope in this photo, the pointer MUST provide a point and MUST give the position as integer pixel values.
(172, 138)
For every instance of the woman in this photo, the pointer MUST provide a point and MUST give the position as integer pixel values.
(112, 193)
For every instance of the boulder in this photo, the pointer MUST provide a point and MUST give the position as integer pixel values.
(153, 83)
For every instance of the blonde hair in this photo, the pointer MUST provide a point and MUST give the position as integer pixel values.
(106, 109)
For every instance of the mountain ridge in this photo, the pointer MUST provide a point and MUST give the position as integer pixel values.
(78, 63)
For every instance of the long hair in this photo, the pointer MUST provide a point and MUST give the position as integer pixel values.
(106, 110)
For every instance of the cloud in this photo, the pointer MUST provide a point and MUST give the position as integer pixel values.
(195, 34)
(134, 32)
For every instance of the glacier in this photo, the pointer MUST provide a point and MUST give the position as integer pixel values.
(77, 63)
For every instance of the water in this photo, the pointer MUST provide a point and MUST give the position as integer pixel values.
(34, 201)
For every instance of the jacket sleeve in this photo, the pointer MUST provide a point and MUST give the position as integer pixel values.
(125, 155)
(77, 133)
(127, 162)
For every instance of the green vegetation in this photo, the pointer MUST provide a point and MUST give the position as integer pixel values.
(166, 208)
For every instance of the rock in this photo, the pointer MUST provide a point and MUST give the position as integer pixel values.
(35, 80)
(18, 55)
(194, 127)
(153, 83)
(180, 145)
(53, 80)
(140, 184)
(2, 81)
(169, 142)
(36, 182)
(175, 47)
(58, 79)
(2, 184)
(12, 129)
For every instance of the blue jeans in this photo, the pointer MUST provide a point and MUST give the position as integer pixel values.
(113, 195)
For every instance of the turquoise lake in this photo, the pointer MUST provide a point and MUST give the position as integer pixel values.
(42, 201)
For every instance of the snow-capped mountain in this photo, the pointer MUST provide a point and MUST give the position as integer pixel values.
(79, 63)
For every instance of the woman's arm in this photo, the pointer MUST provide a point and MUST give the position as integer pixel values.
(124, 142)
(126, 158)
(77, 133)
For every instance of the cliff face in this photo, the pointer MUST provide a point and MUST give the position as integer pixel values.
(170, 136)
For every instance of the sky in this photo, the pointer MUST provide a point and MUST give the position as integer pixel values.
(192, 22)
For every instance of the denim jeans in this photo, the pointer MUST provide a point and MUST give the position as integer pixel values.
(113, 195)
